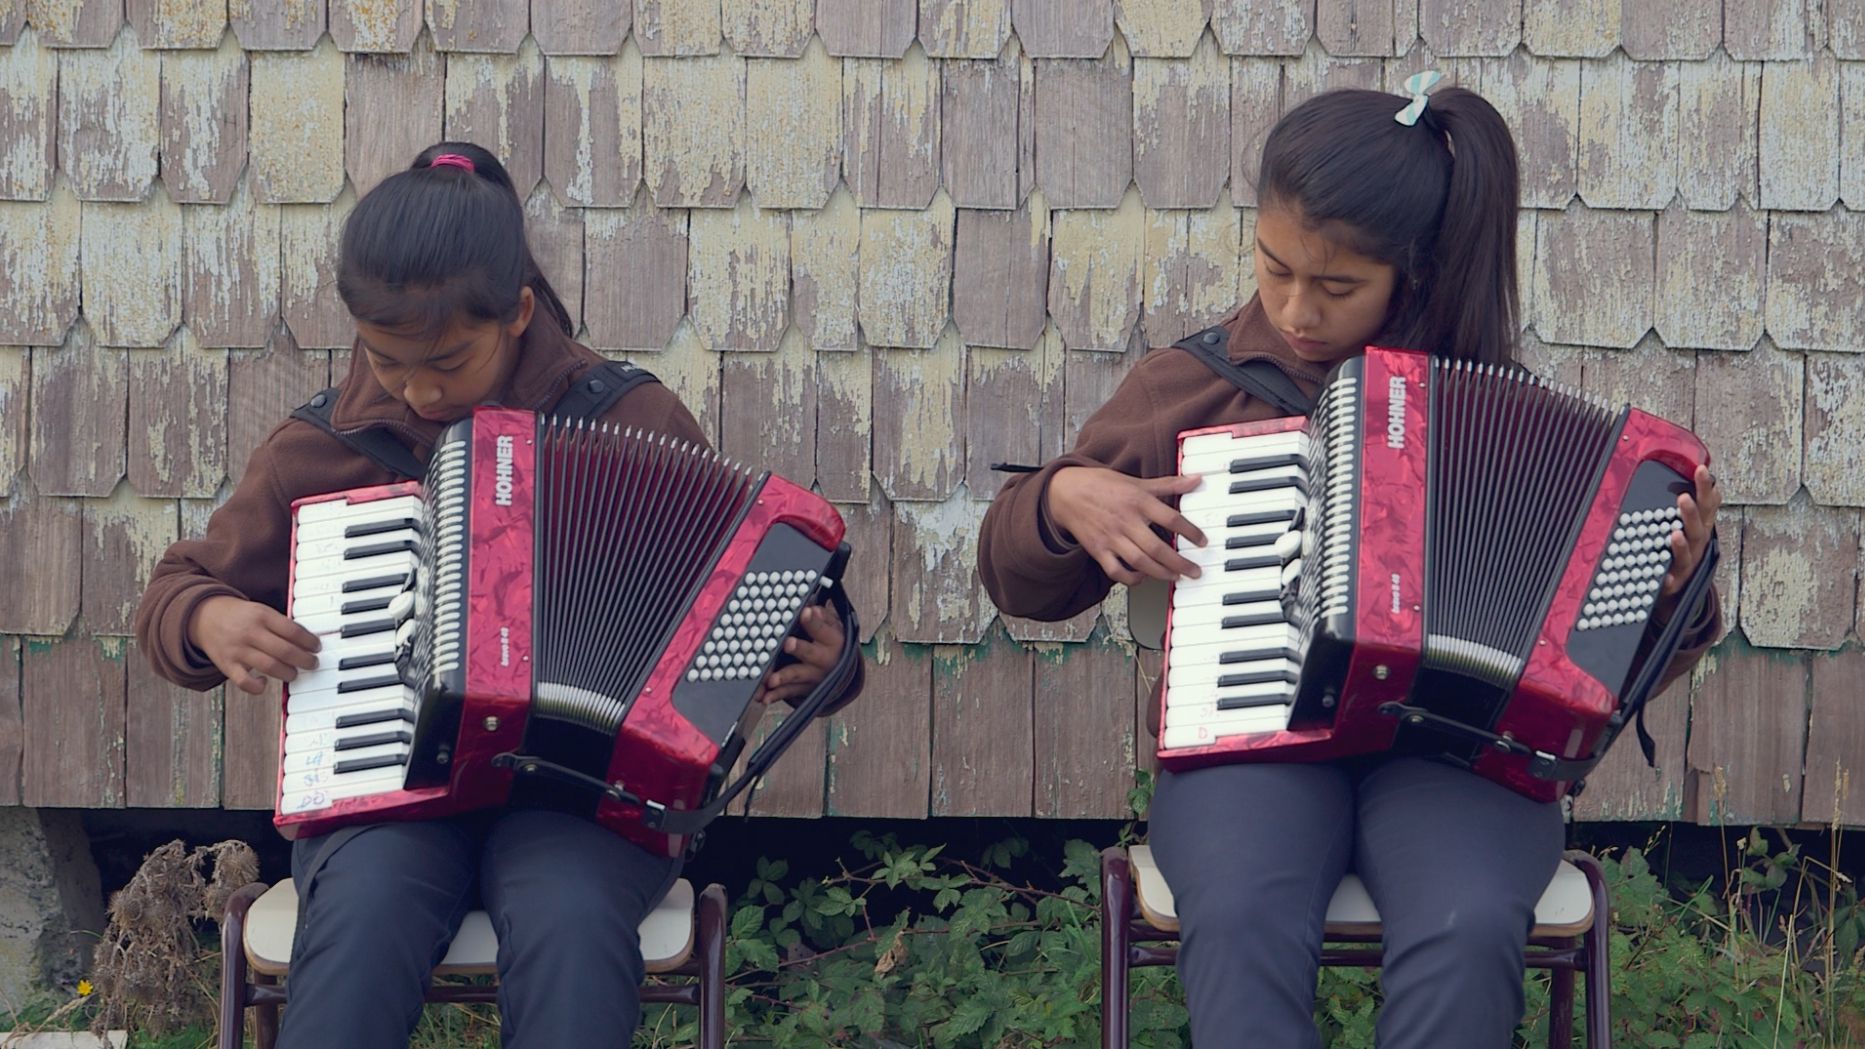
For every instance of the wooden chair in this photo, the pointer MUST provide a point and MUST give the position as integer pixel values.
(676, 939)
(1570, 936)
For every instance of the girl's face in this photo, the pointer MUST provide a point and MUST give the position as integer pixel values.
(443, 379)
(1327, 300)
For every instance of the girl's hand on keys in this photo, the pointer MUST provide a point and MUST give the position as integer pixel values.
(1689, 544)
(815, 646)
(248, 642)
(1110, 515)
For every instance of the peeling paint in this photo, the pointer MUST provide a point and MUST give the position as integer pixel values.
(1247, 27)
(919, 426)
(793, 128)
(693, 134)
(108, 119)
(769, 28)
(204, 121)
(1193, 259)
(28, 119)
(964, 28)
(1813, 296)
(678, 27)
(296, 137)
(1593, 278)
(1161, 28)
(937, 598)
(308, 239)
(892, 131)
(130, 257)
(1095, 274)
(231, 270)
(375, 26)
(1711, 272)
(1181, 127)
(39, 266)
(906, 274)
(1628, 133)
(1800, 134)
(1799, 575)
(738, 277)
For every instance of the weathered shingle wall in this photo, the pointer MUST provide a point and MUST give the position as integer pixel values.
(881, 244)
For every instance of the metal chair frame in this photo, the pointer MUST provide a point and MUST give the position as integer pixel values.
(241, 988)
(1129, 941)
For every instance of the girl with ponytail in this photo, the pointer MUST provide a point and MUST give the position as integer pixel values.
(1384, 220)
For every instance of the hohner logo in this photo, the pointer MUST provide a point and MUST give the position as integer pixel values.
(1395, 413)
(502, 472)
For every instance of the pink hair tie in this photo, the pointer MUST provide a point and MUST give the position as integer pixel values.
(451, 160)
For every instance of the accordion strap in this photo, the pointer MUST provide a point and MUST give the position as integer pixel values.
(1256, 377)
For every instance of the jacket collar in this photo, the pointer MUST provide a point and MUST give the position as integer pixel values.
(546, 361)
(1251, 336)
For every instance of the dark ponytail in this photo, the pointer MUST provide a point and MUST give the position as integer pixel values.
(438, 242)
(1437, 201)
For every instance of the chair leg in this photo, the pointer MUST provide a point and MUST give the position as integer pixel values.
(1560, 1008)
(265, 1021)
(1116, 917)
(1596, 952)
(711, 946)
(233, 971)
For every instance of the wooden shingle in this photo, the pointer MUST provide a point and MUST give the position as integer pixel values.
(1835, 429)
(497, 101)
(919, 424)
(41, 539)
(203, 122)
(1731, 522)
(1748, 730)
(249, 762)
(76, 23)
(983, 732)
(638, 256)
(1255, 106)
(964, 28)
(230, 270)
(296, 138)
(1809, 256)
(1096, 265)
(1470, 27)
(556, 235)
(80, 397)
(796, 784)
(1088, 380)
(72, 709)
(262, 389)
(665, 28)
(1063, 28)
(870, 537)
(1720, 102)
(277, 25)
(1799, 141)
(866, 28)
(29, 120)
(878, 752)
(1247, 28)
(1845, 28)
(15, 393)
(1013, 412)
(109, 125)
(1852, 136)
(691, 372)
(592, 128)
(1190, 278)
(171, 753)
(130, 258)
(793, 128)
(1769, 29)
(1084, 129)
(1071, 631)
(1572, 28)
(693, 129)
(1623, 787)
(1000, 275)
(1181, 127)
(738, 276)
(1539, 98)
(124, 536)
(375, 26)
(768, 409)
(392, 110)
(1835, 780)
(824, 245)
(39, 267)
(988, 129)
(1317, 71)
(1594, 281)
(1673, 29)
(309, 237)
(1161, 28)
(12, 20)
(1085, 730)
(1798, 574)
(936, 597)
(845, 427)
(1628, 133)
(769, 28)
(581, 27)
(1651, 377)
(177, 420)
(166, 24)
(485, 26)
(890, 130)
(906, 274)
(11, 728)
(1711, 277)
(1754, 429)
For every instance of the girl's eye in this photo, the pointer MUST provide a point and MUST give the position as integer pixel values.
(1333, 293)
(1274, 272)
(450, 367)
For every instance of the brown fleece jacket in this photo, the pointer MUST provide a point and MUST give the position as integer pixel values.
(245, 552)
(1031, 569)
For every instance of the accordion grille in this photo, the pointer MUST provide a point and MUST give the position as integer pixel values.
(438, 650)
(1333, 481)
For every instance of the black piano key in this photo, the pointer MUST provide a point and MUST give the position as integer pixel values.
(376, 582)
(1251, 655)
(1239, 542)
(397, 524)
(395, 546)
(1248, 702)
(374, 717)
(373, 626)
(365, 764)
(1256, 677)
(1264, 462)
(374, 739)
(1267, 484)
(367, 604)
(374, 659)
(1244, 564)
(1245, 597)
(1258, 517)
(1253, 619)
(363, 684)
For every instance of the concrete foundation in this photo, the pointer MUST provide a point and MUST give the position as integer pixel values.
(51, 903)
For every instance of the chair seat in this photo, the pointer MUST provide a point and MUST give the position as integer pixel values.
(666, 934)
(1565, 910)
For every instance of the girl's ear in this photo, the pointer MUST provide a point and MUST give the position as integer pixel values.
(527, 308)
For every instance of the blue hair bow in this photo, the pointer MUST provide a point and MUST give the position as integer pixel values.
(1416, 85)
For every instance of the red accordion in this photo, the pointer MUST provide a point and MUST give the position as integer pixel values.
(1443, 558)
(558, 612)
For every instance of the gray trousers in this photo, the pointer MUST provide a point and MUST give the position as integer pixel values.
(1454, 862)
(378, 905)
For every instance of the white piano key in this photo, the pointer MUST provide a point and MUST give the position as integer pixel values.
(325, 778)
(408, 526)
(333, 598)
(313, 760)
(320, 680)
(1214, 587)
(335, 649)
(312, 513)
(1208, 496)
(329, 738)
(360, 568)
(1189, 639)
(295, 799)
(334, 582)
(1177, 737)
(1208, 674)
(1210, 442)
(1221, 460)
(1190, 706)
(324, 699)
(325, 719)
(1208, 619)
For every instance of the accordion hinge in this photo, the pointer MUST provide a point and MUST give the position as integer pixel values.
(1472, 659)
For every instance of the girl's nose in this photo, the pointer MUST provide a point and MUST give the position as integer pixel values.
(1304, 314)
(421, 395)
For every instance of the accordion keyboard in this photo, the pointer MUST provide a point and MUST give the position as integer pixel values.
(349, 723)
(1235, 655)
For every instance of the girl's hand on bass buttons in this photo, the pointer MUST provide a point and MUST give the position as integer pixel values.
(815, 646)
(1110, 514)
(248, 642)
(1689, 544)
